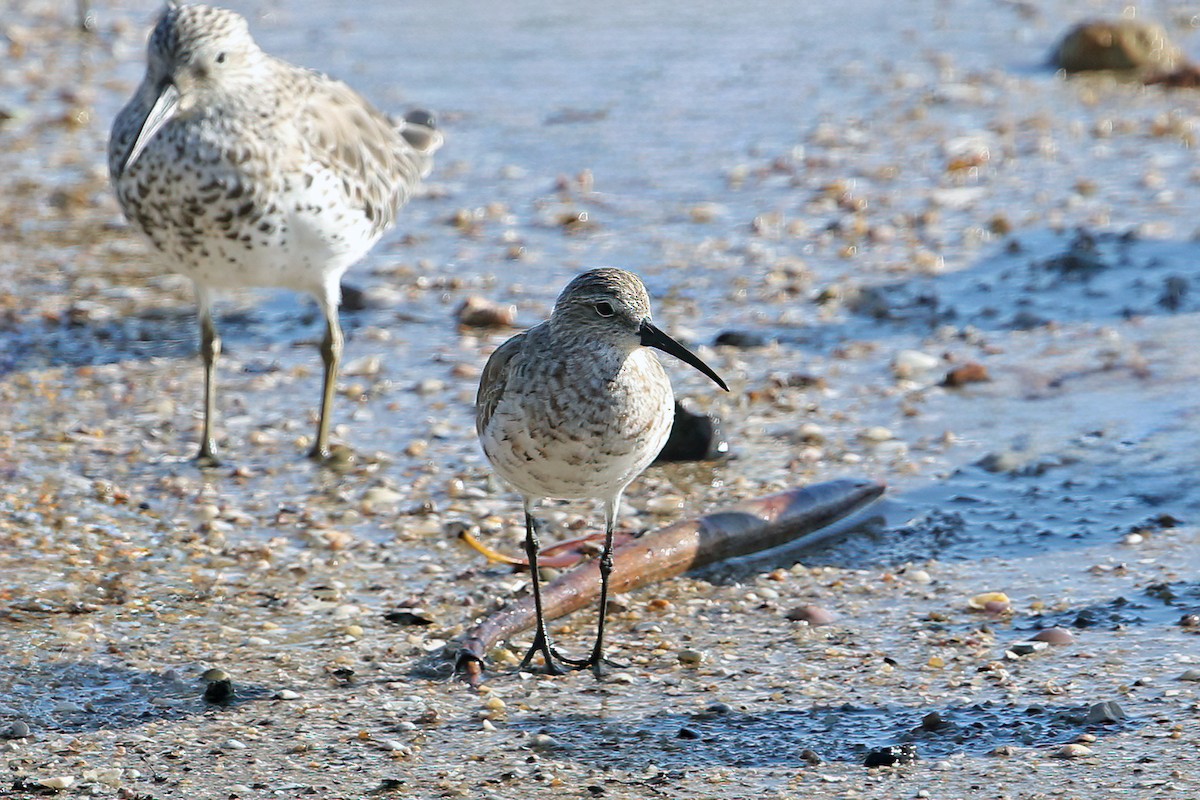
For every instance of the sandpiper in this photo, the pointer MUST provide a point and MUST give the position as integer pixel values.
(247, 171)
(576, 407)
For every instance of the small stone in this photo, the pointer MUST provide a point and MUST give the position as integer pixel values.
(744, 340)
(920, 576)
(366, 365)
(287, 694)
(990, 602)
(1117, 44)
(875, 434)
(1191, 674)
(811, 433)
(690, 658)
(58, 782)
(665, 504)
(890, 756)
(219, 692)
(810, 757)
(479, 312)
(1107, 711)
(908, 363)
(812, 614)
(1072, 751)
(17, 730)
(970, 372)
(694, 437)
(1055, 636)
(233, 744)
(1019, 649)
(1189, 621)
(543, 741)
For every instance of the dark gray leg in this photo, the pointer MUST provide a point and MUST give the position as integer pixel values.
(541, 640)
(210, 349)
(331, 355)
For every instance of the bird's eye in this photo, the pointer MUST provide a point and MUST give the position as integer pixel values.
(604, 309)
(220, 58)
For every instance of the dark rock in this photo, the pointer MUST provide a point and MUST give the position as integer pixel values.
(810, 757)
(742, 339)
(932, 721)
(891, 755)
(972, 372)
(1107, 711)
(1119, 44)
(219, 692)
(353, 298)
(407, 616)
(694, 437)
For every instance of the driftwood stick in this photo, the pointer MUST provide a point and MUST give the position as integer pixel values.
(750, 526)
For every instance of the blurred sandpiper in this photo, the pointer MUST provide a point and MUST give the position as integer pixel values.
(246, 171)
(576, 407)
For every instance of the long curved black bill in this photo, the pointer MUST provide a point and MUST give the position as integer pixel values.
(165, 106)
(653, 337)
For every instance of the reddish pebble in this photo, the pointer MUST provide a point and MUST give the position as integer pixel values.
(971, 372)
(813, 615)
(478, 312)
(1054, 636)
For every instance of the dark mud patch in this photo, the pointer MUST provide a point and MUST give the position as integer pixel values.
(1035, 280)
(77, 697)
(721, 735)
(89, 333)
(1095, 489)
(1157, 604)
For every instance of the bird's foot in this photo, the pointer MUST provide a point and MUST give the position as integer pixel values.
(205, 459)
(340, 457)
(552, 659)
(601, 667)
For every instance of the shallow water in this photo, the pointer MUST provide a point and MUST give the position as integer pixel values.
(842, 183)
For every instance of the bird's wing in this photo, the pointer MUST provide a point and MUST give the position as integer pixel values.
(495, 379)
(351, 137)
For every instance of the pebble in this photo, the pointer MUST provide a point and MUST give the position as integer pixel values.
(890, 755)
(970, 372)
(1192, 674)
(366, 365)
(58, 782)
(1056, 636)
(990, 602)
(908, 363)
(479, 312)
(233, 744)
(287, 694)
(690, 658)
(1072, 751)
(1106, 711)
(1018, 649)
(812, 614)
(17, 730)
(543, 741)
(665, 504)
(876, 433)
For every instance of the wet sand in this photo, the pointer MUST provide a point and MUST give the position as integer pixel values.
(844, 194)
